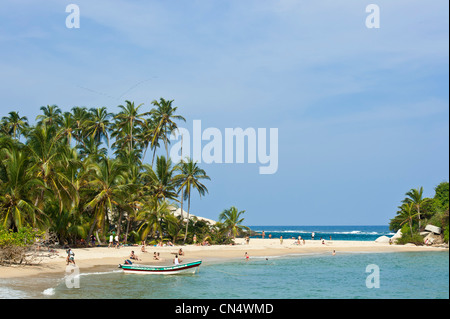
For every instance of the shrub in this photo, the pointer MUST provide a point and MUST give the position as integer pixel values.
(446, 234)
(406, 238)
(15, 246)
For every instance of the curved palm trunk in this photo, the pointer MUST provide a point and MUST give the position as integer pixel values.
(418, 213)
(187, 223)
(154, 153)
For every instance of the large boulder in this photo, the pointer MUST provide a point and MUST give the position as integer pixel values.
(433, 229)
(382, 239)
(397, 236)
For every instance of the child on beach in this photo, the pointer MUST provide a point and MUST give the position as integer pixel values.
(70, 257)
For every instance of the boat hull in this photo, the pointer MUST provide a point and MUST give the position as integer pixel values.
(187, 268)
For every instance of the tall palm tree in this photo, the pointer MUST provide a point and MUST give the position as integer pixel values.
(80, 115)
(51, 116)
(146, 136)
(152, 214)
(160, 182)
(127, 123)
(415, 196)
(106, 184)
(407, 210)
(67, 129)
(164, 117)
(188, 179)
(18, 189)
(45, 147)
(14, 124)
(98, 124)
(91, 149)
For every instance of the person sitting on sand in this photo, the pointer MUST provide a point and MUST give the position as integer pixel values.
(181, 252)
(155, 256)
(176, 261)
(143, 249)
(133, 256)
(205, 243)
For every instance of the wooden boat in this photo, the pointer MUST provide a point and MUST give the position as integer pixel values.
(185, 268)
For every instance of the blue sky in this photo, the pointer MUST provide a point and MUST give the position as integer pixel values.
(362, 114)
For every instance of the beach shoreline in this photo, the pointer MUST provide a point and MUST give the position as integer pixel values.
(88, 258)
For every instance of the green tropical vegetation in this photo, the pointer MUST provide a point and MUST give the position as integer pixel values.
(82, 172)
(417, 211)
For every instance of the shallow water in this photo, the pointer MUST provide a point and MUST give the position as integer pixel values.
(403, 275)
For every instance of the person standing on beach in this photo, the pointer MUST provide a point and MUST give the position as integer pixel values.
(70, 257)
(312, 236)
(117, 241)
(281, 240)
(111, 241)
(246, 256)
(263, 234)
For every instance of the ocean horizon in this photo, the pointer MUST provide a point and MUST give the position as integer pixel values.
(340, 232)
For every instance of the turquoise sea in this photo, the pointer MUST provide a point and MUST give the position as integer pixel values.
(422, 275)
(355, 275)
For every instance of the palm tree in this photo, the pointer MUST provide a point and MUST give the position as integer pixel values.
(98, 124)
(189, 177)
(91, 149)
(415, 197)
(67, 129)
(146, 136)
(164, 116)
(407, 210)
(160, 182)
(44, 146)
(231, 221)
(106, 185)
(127, 123)
(152, 214)
(14, 124)
(80, 116)
(51, 116)
(18, 189)
(173, 227)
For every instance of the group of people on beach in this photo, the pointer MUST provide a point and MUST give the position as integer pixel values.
(114, 241)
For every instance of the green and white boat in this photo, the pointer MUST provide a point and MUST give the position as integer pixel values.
(185, 268)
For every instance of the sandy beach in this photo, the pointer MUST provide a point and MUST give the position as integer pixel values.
(86, 258)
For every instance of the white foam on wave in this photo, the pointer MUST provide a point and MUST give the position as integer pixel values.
(352, 232)
(49, 292)
(9, 293)
(100, 273)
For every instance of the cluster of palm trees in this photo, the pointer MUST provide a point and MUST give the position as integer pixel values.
(417, 211)
(57, 175)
